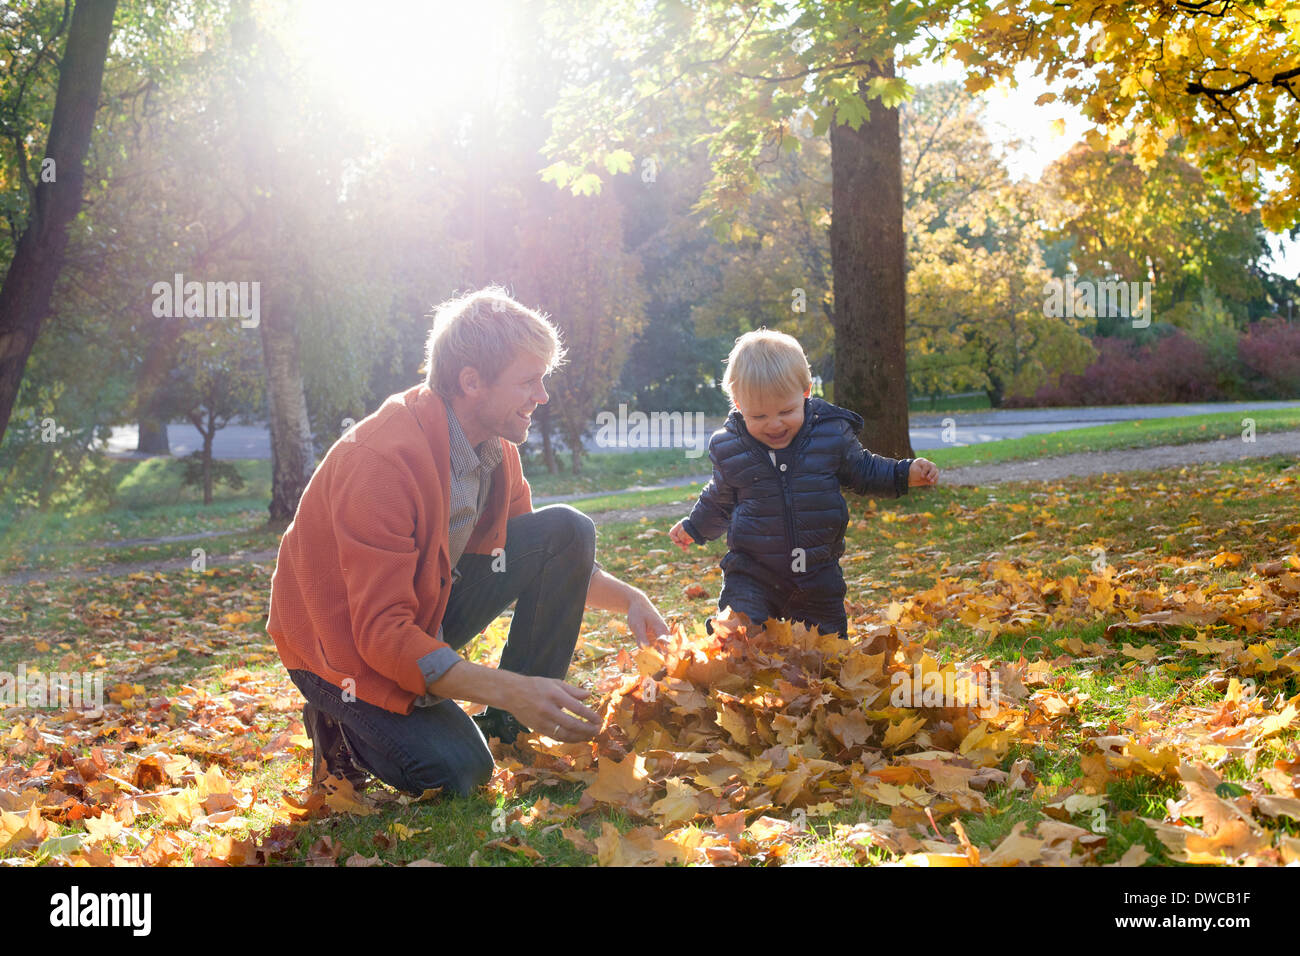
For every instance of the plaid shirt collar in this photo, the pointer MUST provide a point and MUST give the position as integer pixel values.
(465, 458)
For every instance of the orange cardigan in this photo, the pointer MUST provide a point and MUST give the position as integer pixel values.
(363, 571)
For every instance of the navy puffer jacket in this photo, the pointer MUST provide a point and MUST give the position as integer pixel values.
(768, 512)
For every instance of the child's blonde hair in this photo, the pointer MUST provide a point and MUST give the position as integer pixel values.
(766, 363)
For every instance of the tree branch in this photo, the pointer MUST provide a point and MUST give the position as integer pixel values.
(829, 68)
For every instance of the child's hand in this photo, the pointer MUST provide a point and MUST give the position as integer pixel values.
(922, 472)
(680, 536)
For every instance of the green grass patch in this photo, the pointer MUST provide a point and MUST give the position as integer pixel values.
(150, 502)
(614, 471)
(1141, 433)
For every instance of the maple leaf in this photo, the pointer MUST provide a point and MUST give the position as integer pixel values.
(1273, 806)
(163, 847)
(902, 731)
(103, 827)
(340, 796)
(1015, 848)
(23, 830)
(851, 729)
(1146, 653)
(680, 805)
(618, 781)
(643, 846)
(180, 808)
(324, 852)
(1276, 723)
(1135, 855)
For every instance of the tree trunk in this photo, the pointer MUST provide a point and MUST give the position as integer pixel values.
(548, 449)
(208, 434)
(996, 387)
(47, 478)
(160, 355)
(29, 283)
(868, 272)
(292, 455)
(152, 437)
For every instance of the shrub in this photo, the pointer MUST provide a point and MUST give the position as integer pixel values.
(1173, 368)
(1269, 354)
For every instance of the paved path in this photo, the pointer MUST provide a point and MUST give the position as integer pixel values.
(1127, 459)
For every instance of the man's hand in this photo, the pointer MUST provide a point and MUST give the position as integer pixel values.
(644, 621)
(553, 708)
(680, 536)
(923, 472)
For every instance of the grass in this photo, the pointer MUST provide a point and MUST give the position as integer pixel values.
(171, 630)
(152, 503)
(639, 499)
(612, 471)
(1142, 433)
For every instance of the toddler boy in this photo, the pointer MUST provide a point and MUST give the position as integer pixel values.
(779, 462)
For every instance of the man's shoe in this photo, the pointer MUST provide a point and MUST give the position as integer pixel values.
(330, 754)
(500, 724)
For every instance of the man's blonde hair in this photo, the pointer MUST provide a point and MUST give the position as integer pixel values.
(486, 330)
(766, 364)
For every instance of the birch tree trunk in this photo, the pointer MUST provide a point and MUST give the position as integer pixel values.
(292, 455)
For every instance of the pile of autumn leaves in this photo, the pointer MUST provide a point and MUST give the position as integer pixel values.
(730, 745)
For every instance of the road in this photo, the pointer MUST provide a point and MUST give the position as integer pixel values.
(971, 428)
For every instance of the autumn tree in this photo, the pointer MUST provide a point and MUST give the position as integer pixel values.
(79, 376)
(754, 72)
(676, 361)
(1168, 225)
(217, 379)
(775, 270)
(256, 91)
(572, 262)
(976, 270)
(1222, 75)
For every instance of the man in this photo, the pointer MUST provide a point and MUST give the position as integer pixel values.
(414, 533)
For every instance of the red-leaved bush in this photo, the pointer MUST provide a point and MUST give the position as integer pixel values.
(1174, 368)
(1269, 354)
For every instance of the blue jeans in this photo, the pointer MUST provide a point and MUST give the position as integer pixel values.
(549, 555)
(817, 601)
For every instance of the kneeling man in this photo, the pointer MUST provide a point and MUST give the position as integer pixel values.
(414, 533)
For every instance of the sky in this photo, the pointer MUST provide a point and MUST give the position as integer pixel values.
(1011, 113)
